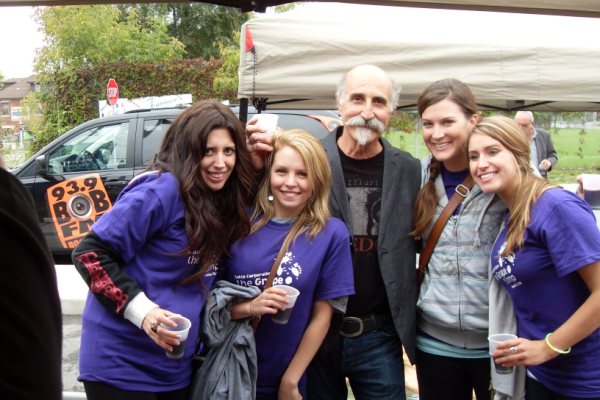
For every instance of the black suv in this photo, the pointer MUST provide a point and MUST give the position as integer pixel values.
(76, 178)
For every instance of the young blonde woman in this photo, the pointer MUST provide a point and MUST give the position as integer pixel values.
(547, 257)
(292, 206)
(452, 347)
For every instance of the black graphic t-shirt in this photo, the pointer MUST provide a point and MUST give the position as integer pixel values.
(363, 180)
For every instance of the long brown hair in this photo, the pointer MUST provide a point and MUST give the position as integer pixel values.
(529, 188)
(213, 219)
(460, 94)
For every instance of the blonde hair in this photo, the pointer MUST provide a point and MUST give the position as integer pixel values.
(314, 216)
(529, 187)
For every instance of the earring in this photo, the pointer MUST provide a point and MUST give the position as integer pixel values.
(270, 198)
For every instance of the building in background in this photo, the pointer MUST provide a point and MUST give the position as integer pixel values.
(12, 93)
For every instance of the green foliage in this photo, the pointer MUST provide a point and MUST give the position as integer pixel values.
(226, 81)
(71, 97)
(87, 45)
(202, 28)
(85, 36)
(286, 7)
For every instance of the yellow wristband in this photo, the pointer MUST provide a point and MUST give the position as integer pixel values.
(556, 350)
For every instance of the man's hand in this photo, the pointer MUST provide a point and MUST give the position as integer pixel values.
(545, 165)
(259, 144)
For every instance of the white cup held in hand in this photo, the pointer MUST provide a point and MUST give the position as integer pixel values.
(182, 328)
(267, 122)
(496, 339)
(282, 317)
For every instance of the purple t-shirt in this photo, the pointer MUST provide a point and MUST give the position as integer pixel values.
(320, 268)
(546, 289)
(146, 227)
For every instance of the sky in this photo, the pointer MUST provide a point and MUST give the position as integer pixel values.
(20, 38)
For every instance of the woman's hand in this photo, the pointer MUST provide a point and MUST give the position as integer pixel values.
(523, 352)
(269, 301)
(579, 180)
(153, 326)
(288, 390)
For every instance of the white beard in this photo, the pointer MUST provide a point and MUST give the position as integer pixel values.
(362, 135)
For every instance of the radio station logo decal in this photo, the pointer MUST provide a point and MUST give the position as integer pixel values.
(75, 204)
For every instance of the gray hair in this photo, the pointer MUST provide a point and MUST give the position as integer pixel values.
(528, 114)
(340, 91)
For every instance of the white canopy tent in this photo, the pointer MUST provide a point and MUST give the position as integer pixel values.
(582, 8)
(511, 61)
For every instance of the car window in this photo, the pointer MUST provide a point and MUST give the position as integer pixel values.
(99, 148)
(154, 131)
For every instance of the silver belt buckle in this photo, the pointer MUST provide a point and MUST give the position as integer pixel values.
(353, 320)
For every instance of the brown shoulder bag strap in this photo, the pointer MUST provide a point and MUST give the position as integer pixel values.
(460, 193)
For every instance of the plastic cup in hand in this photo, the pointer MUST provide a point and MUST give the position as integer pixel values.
(182, 328)
(282, 317)
(496, 339)
(267, 121)
(591, 189)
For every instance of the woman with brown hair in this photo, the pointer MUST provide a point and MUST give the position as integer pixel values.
(154, 255)
(452, 347)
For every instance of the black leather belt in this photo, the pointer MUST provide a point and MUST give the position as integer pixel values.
(356, 326)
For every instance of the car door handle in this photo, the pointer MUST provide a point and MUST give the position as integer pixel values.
(115, 182)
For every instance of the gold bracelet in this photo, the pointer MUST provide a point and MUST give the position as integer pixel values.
(556, 350)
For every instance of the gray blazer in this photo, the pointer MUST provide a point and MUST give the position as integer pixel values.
(545, 149)
(396, 250)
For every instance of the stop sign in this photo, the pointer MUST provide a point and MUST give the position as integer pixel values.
(112, 92)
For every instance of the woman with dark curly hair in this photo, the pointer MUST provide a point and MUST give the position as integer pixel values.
(154, 253)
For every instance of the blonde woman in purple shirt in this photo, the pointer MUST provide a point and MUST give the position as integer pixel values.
(547, 257)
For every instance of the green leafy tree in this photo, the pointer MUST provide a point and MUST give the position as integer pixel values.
(202, 28)
(89, 35)
(225, 83)
(80, 37)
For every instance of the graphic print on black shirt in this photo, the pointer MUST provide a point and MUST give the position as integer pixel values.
(363, 180)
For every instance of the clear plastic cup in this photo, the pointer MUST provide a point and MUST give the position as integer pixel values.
(496, 339)
(182, 328)
(591, 189)
(282, 317)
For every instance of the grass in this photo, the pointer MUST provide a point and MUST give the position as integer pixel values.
(578, 151)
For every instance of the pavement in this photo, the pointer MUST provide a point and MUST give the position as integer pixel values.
(73, 292)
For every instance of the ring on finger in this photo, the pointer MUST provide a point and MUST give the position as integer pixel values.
(514, 349)
(154, 327)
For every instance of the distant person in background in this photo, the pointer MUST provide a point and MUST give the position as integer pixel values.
(543, 155)
(547, 257)
(31, 333)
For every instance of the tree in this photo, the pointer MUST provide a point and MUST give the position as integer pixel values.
(90, 35)
(84, 37)
(202, 28)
